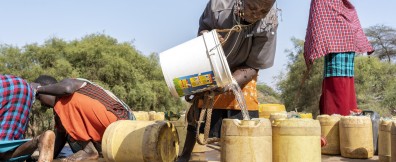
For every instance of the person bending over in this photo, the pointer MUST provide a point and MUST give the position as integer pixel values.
(83, 110)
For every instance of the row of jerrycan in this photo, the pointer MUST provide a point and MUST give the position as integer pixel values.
(350, 136)
(283, 140)
(275, 139)
(148, 115)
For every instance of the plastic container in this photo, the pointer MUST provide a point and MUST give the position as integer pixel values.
(375, 119)
(141, 115)
(384, 140)
(278, 115)
(246, 140)
(181, 127)
(140, 141)
(330, 130)
(393, 141)
(296, 140)
(356, 137)
(195, 66)
(265, 110)
(155, 116)
(305, 115)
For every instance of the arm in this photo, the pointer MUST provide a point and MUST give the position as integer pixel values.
(65, 87)
(60, 136)
(244, 74)
(60, 141)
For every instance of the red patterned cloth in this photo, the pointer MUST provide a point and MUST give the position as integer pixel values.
(333, 27)
(100, 95)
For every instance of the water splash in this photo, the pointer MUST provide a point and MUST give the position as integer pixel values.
(240, 98)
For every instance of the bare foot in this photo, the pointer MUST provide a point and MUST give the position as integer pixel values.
(88, 153)
(46, 146)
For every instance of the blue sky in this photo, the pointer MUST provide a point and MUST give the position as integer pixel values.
(154, 26)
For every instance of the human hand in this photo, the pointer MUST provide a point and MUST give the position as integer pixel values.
(221, 90)
(323, 141)
(35, 86)
(221, 39)
(203, 32)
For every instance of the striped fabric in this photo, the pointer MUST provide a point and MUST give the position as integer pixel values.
(339, 64)
(333, 27)
(16, 99)
(111, 104)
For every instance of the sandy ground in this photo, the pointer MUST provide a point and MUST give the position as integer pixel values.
(216, 158)
(341, 159)
(324, 159)
(211, 153)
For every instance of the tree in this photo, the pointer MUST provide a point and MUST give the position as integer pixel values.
(267, 95)
(119, 67)
(297, 91)
(375, 82)
(383, 39)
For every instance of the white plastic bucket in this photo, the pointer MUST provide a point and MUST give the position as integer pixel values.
(195, 66)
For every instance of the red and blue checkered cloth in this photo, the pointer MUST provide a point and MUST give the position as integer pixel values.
(16, 99)
(333, 27)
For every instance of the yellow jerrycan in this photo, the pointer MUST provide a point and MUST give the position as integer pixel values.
(265, 110)
(181, 127)
(305, 115)
(393, 141)
(296, 140)
(384, 140)
(140, 141)
(356, 137)
(154, 116)
(278, 115)
(246, 140)
(330, 130)
(141, 115)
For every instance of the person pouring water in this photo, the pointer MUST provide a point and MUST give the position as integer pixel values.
(249, 45)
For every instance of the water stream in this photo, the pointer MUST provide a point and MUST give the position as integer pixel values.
(240, 98)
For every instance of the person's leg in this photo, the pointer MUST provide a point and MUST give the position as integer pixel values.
(46, 146)
(188, 144)
(237, 114)
(44, 143)
(321, 101)
(215, 123)
(88, 153)
(216, 119)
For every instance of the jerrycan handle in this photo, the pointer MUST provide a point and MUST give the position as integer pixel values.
(373, 115)
(368, 112)
(247, 123)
